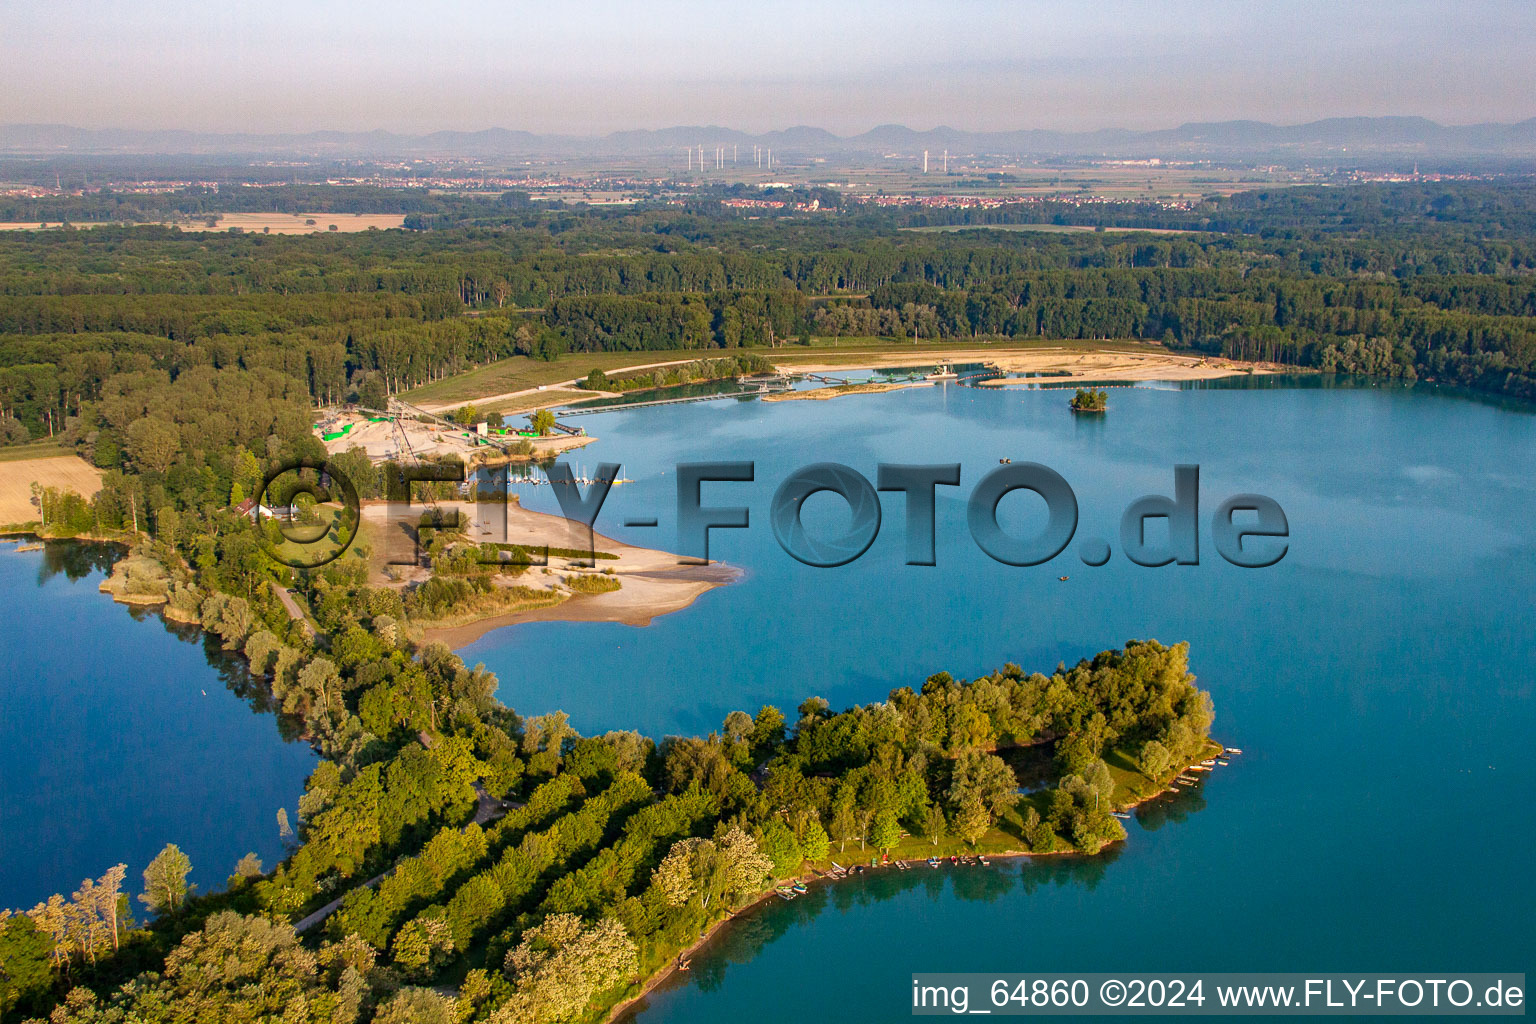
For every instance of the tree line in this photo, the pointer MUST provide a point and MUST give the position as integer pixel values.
(366, 316)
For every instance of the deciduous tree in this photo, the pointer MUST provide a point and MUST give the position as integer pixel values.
(165, 881)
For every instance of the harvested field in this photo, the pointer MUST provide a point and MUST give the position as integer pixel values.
(68, 472)
(263, 223)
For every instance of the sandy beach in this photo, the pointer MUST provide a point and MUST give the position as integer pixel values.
(652, 582)
(1070, 363)
(837, 390)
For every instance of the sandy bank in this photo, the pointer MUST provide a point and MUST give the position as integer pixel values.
(1154, 364)
(838, 390)
(652, 582)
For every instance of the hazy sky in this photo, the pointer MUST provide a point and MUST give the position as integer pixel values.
(584, 68)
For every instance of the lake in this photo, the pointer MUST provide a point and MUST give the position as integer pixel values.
(1379, 678)
(120, 733)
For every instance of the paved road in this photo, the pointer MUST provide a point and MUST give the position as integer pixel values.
(294, 611)
(306, 923)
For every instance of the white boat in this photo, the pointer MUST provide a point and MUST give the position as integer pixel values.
(944, 373)
(1234, 750)
(1223, 763)
(1208, 761)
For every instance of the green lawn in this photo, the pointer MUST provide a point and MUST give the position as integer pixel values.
(517, 373)
(34, 450)
(306, 547)
(1131, 786)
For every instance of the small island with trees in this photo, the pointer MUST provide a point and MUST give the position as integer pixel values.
(1089, 400)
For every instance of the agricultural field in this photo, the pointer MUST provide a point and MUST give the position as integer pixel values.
(1049, 229)
(67, 472)
(263, 223)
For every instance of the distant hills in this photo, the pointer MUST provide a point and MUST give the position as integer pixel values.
(1334, 137)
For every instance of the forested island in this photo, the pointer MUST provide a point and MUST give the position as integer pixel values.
(1089, 400)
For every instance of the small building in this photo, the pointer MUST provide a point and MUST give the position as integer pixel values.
(256, 511)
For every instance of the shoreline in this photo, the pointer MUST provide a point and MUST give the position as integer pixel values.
(628, 1007)
(832, 391)
(1007, 354)
(1066, 364)
(653, 582)
(678, 592)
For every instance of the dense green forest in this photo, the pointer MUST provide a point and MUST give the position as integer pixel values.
(1407, 281)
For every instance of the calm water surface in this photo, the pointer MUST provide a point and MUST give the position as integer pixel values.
(1379, 678)
(120, 733)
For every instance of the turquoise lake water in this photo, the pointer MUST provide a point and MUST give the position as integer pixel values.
(120, 733)
(1379, 678)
